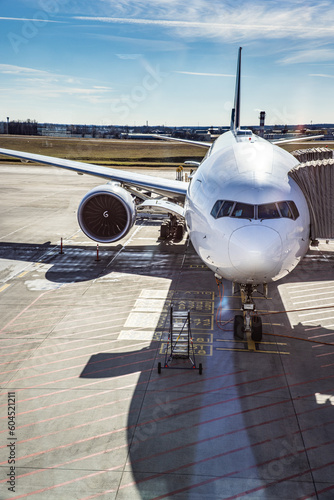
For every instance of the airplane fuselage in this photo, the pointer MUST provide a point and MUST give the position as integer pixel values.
(247, 219)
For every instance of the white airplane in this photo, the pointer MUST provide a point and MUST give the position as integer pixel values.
(247, 219)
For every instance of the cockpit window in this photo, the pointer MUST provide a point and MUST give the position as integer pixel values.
(243, 211)
(284, 209)
(267, 211)
(222, 208)
(216, 207)
(294, 209)
(228, 208)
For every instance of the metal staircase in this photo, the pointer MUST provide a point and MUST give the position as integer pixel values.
(180, 341)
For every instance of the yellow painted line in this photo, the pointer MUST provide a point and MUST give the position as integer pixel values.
(272, 343)
(250, 342)
(255, 298)
(4, 287)
(23, 274)
(247, 350)
(243, 341)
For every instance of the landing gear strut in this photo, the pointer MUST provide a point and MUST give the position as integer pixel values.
(172, 228)
(249, 322)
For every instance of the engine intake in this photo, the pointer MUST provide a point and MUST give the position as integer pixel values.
(107, 213)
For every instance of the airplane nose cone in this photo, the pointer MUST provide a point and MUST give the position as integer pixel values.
(255, 251)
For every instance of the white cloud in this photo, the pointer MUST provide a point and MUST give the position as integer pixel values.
(40, 84)
(203, 74)
(309, 56)
(36, 20)
(129, 56)
(230, 22)
(11, 69)
(321, 75)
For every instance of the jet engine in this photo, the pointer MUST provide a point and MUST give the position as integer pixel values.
(107, 213)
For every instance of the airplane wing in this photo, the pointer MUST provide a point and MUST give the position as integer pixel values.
(165, 187)
(297, 139)
(187, 141)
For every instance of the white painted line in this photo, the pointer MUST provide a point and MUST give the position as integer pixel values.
(154, 294)
(313, 313)
(310, 292)
(314, 300)
(149, 305)
(142, 320)
(319, 319)
(136, 335)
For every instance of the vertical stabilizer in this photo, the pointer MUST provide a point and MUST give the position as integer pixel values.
(235, 117)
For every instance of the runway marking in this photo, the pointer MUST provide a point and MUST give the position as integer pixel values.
(4, 287)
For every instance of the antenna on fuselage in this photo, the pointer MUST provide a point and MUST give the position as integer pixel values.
(235, 116)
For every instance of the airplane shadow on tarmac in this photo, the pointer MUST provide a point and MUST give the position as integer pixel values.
(248, 424)
(83, 263)
(241, 427)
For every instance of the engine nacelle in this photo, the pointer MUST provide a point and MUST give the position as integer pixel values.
(107, 213)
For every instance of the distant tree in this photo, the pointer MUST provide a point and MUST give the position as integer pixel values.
(28, 127)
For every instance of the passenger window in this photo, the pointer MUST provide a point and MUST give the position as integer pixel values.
(268, 211)
(285, 209)
(243, 211)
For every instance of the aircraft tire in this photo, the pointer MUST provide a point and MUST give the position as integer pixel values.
(164, 231)
(200, 368)
(238, 327)
(159, 367)
(179, 232)
(256, 329)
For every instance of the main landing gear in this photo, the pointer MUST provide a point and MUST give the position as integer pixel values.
(249, 323)
(172, 228)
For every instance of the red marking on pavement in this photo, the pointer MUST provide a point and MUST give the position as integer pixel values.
(239, 495)
(316, 493)
(52, 346)
(236, 398)
(81, 366)
(62, 360)
(23, 310)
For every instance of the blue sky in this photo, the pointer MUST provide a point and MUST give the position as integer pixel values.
(166, 62)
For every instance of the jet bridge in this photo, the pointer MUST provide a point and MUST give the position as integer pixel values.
(315, 176)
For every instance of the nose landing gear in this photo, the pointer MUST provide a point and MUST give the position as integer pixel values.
(248, 324)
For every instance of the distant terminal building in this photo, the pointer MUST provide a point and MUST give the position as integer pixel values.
(53, 130)
(132, 135)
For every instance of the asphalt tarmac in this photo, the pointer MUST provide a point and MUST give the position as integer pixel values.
(85, 414)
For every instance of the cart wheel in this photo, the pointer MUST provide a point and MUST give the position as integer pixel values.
(200, 368)
(159, 367)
